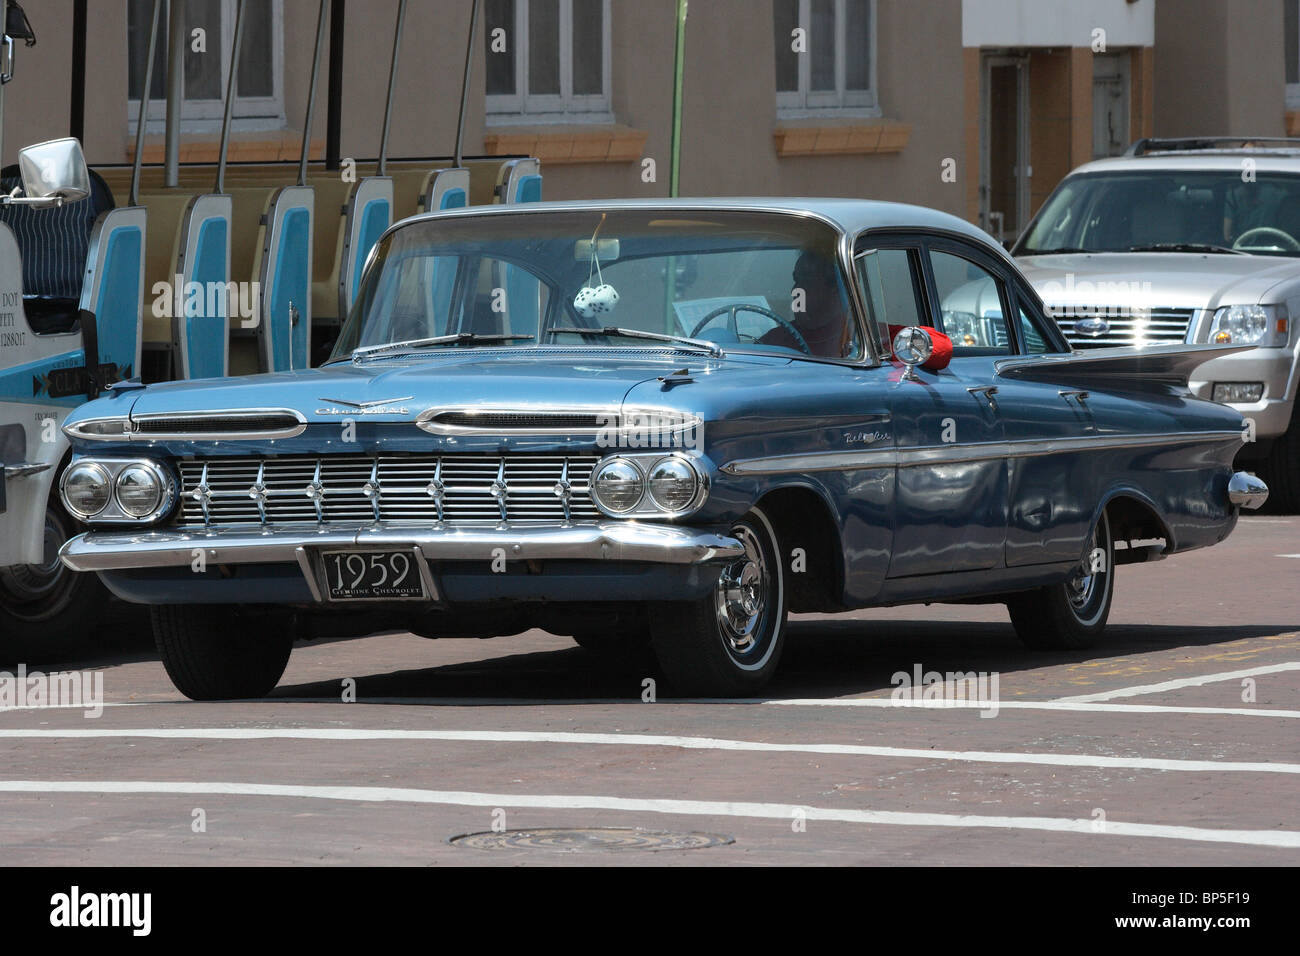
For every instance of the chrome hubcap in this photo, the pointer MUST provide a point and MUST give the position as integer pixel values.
(1083, 585)
(741, 596)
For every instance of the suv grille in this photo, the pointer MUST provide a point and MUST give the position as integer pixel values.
(1157, 327)
(225, 491)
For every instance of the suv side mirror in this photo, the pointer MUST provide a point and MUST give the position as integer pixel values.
(53, 173)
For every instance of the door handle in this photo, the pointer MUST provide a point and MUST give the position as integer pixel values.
(988, 391)
(1075, 393)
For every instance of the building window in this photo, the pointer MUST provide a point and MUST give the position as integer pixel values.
(259, 84)
(825, 57)
(548, 60)
(1291, 31)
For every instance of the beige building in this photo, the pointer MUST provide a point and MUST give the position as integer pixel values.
(977, 107)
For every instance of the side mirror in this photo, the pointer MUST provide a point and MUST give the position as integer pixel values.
(921, 345)
(913, 346)
(53, 173)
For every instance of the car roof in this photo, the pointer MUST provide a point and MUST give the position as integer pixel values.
(1264, 160)
(848, 215)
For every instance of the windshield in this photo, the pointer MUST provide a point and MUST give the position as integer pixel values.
(747, 281)
(1170, 211)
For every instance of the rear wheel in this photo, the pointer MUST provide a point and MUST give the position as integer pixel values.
(47, 609)
(220, 652)
(728, 644)
(1071, 614)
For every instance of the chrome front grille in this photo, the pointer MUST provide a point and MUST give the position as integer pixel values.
(1137, 328)
(360, 488)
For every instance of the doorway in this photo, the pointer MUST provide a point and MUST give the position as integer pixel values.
(1004, 144)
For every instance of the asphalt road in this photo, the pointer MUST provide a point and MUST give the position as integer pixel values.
(1172, 743)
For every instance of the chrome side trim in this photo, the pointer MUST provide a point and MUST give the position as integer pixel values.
(24, 468)
(596, 541)
(956, 454)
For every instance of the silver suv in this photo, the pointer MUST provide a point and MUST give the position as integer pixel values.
(1188, 240)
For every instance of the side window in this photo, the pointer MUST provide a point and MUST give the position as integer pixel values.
(1034, 341)
(892, 292)
(970, 298)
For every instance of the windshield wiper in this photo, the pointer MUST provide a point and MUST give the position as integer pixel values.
(458, 338)
(1185, 247)
(712, 347)
(1058, 251)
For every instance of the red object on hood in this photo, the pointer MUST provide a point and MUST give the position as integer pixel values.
(942, 354)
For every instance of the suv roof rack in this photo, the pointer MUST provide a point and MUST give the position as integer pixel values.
(1147, 145)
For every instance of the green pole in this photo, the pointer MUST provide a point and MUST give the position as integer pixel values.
(670, 318)
(677, 98)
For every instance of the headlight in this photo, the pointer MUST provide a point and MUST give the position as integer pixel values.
(118, 490)
(673, 484)
(86, 489)
(962, 327)
(617, 486)
(139, 490)
(1249, 325)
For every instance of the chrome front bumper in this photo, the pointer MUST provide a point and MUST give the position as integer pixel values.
(598, 541)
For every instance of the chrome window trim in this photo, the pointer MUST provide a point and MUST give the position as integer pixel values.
(957, 454)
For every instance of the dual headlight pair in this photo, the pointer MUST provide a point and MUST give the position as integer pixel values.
(125, 490)
(656, 484)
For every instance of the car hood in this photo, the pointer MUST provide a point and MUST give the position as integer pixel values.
(399, 389)
(1171, 280)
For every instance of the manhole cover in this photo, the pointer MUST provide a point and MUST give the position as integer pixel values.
(589, 838)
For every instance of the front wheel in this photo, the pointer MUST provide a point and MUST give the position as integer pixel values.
(219, 652)
(728, 643)
(1282, 469)
(1072, 614)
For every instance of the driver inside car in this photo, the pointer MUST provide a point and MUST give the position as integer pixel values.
(824, 321)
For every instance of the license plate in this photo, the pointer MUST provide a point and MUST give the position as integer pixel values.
(372, 576)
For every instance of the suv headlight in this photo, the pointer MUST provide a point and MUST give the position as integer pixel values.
(1264, 325)
(86, 489)
(962, 327)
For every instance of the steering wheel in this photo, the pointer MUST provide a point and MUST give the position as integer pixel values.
(746, 307)
(1285, 238)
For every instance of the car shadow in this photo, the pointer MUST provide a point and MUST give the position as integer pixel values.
(823, 658)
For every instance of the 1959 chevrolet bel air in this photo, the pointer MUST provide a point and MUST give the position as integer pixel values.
(671, 422)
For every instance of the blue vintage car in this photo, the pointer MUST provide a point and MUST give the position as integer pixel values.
(671, 422)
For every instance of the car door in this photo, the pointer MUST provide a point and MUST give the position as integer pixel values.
(951, 486)
(1048, 428)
